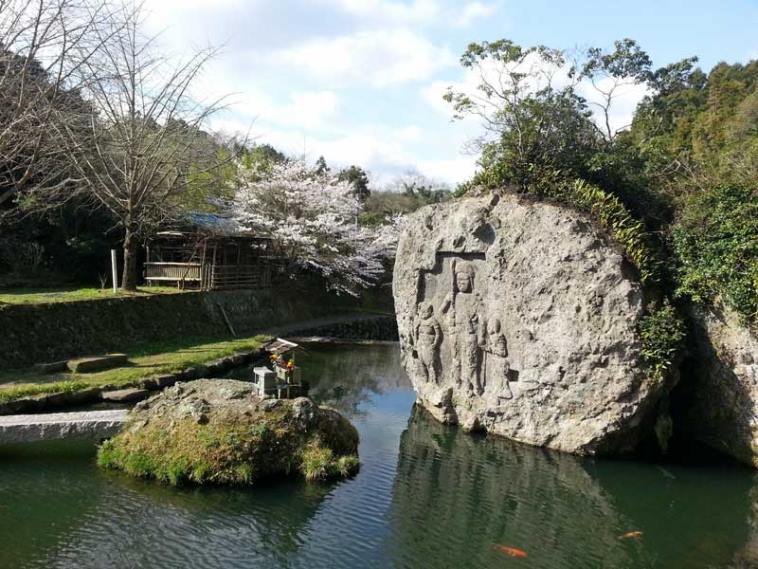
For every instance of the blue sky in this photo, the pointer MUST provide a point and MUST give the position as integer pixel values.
(359, 81)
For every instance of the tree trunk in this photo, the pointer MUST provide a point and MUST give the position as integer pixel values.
(129, 277)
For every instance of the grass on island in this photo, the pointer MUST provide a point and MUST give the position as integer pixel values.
(146, 360)
(231, 447)
(74, 294)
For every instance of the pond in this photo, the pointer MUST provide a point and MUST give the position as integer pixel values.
(426, 496)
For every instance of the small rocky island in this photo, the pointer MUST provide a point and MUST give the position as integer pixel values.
(219, 432)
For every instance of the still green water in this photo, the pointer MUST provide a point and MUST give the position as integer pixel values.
(426, 496)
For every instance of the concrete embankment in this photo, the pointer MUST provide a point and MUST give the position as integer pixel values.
(88, 425)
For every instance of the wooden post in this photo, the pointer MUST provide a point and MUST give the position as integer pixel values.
(114, 270)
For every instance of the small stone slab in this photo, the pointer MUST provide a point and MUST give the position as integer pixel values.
(52, 367)
(97, 363)
(125, 395)
(89, 425)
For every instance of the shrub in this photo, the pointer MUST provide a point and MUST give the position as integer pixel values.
(716, 243)
(662, 332)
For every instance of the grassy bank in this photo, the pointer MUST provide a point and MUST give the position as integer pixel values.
(51, 295)
(146, 360)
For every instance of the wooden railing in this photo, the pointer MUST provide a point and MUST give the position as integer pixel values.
(178, 272)
(240, 276)
(218, 277)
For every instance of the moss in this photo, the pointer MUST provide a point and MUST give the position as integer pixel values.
(240, 450)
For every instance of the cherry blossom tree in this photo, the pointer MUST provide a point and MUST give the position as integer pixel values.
(314, 217)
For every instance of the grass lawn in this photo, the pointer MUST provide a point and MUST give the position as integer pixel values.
(43, 296)
(146, 360)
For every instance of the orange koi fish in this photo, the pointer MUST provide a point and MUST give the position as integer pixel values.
(631, 535)
(510, 551)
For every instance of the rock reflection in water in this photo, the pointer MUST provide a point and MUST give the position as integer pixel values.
(457, 495)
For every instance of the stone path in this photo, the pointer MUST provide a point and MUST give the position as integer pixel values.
(92, 425)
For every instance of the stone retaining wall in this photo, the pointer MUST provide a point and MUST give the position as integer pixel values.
(380, 327)
(38, 333)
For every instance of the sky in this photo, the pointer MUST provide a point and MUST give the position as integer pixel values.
(360, 81)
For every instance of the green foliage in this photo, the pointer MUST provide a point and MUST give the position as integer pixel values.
(662, 332)
(699, 129)
(716, 242)
(626, 61)
(358, 178)
(411, 193)
(18, 391)
(686, 169)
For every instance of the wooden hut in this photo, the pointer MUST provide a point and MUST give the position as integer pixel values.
(210, 255)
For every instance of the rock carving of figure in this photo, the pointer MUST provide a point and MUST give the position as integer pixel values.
(462, 308)
(496, 355)
(428, 337)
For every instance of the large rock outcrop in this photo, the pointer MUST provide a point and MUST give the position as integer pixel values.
(722, 407)
(521, 318)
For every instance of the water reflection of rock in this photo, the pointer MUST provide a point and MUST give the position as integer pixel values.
(484, 491)
(344, 379)
(747, 557)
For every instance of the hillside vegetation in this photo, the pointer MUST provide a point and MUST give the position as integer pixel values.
(678, 188)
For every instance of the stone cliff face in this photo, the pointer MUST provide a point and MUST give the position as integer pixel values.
(723, 407)
(520, 319)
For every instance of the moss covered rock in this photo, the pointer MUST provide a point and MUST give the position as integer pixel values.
(219, 432)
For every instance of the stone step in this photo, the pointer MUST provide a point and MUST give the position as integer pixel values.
(97, 363)
(125, 395)
(52, 367)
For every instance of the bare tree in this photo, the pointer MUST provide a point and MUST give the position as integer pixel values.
(143, 136)
(44, 47)
(609, 74)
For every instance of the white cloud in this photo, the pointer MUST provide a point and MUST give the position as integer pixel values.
(416, 12)
(305, 110)
(309, 109)
(452, 171)
(382, 11)
(303, 93)
(380, 58)
(474, 11)
(410, 133)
